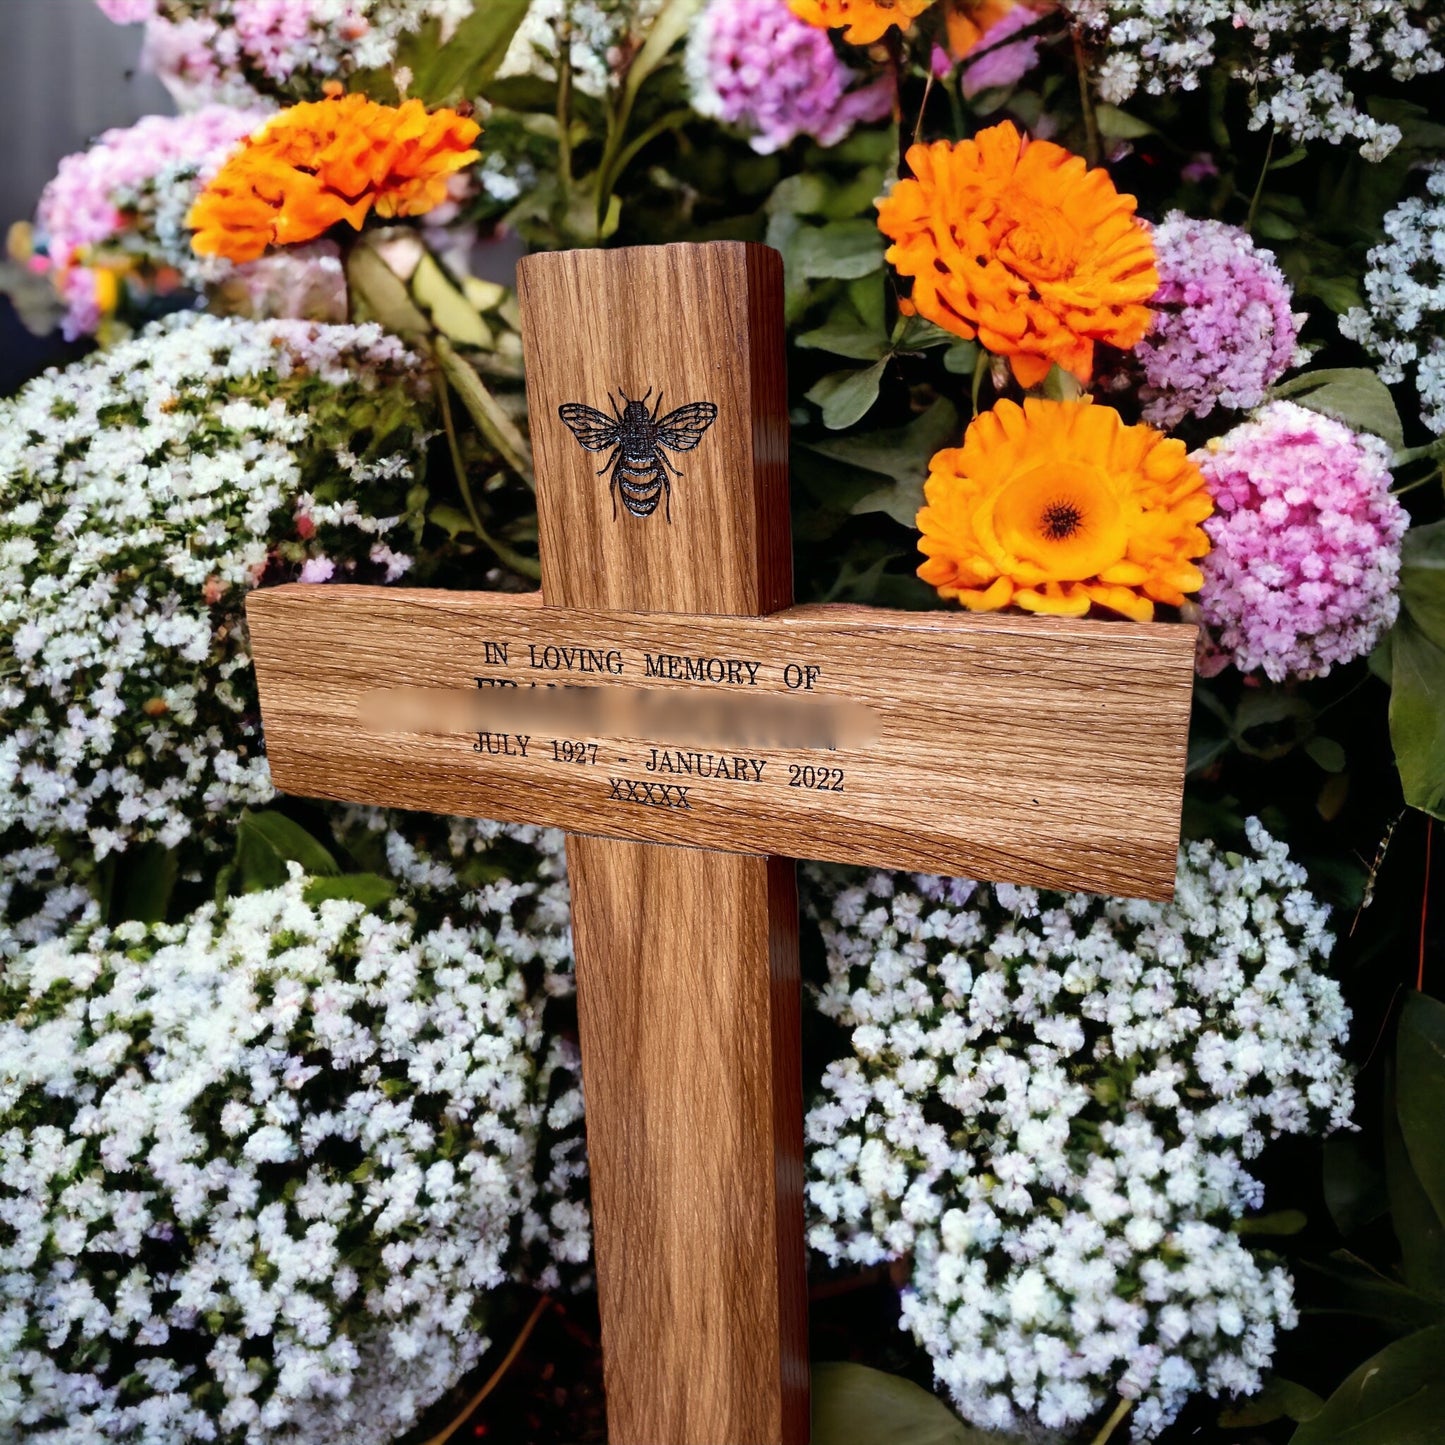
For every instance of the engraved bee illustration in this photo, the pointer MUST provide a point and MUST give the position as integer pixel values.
(639, 441)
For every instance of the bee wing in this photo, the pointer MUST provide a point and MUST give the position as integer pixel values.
(594, 429)
(682, 430)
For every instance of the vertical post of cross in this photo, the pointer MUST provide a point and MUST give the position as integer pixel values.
(687, 963)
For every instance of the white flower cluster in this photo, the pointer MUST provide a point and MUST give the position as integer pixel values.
(1049, 1103)
(447, 858)
(40, 897)
(233, 50)
(1295, 58)
(258, 1170)
(597, 32)
(1404, 323)
(142, 491)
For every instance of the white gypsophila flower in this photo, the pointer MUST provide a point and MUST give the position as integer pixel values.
(1403, 325)
(481, 863)
(1049, 1105)
(142, 492)
(598, 34)
(40, 898)
(1299, 62)
(259, 1169)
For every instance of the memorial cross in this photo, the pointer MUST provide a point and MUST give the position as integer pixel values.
(703, 735)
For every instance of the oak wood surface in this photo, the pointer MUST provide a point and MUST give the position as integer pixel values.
(1019, 749)
(687, 963)
(689, 323)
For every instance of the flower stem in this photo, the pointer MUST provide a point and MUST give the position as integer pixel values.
(494, 1379)
(518, 563)
(1106, 1430)
(484, 409)
(1259, 184)
(1092, 151)
(564, 109)
(979, 367)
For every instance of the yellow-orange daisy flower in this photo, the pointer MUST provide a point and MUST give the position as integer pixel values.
(328, 161)
(1057, 506)
(866, 20)
(1019, 243)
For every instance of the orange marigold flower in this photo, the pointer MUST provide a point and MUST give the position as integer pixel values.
(1019, 243)
(867, 20)
(1054, 506)
(966, 22)
(328, 161)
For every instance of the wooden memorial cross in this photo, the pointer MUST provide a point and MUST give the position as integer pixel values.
(703, 735)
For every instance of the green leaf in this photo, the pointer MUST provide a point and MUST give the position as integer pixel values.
(1342, 1289)
(1274, 227)
(1281, 1223)
(1280, 1399)
(1417, 670)
(1339, 293)
(844, 338)
(383, 293)
(916, 334)
(493, 423)
(367, 888)
(1396, 1397)
(1420, 1091)
(451, 312)
(847, 396)
(1417, 1226)
(1271, 721)
(800, 195)
(452, 520)
(267, 841)
(1118, 124)
(144, 881)
(1353, 395)
(673, 22)
(1327, 753)
(853, 1405)
(1354, 1188)
(839, 251)
(460, 69)
(961, 358)
(900, 453)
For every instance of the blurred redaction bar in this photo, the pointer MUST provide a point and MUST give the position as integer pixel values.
(671, 715)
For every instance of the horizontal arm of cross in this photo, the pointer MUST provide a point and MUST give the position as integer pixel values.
(1011, 748)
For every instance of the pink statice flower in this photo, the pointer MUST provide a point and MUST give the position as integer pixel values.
(120, 206)
(127, 12)
(998, 59)
(275, 35)
(754, 64)
(1223, 329)
(80, 208)
(1306, 545)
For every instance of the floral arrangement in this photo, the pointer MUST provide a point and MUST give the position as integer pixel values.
(1049, 1103)
(326, 1116)
(144, 492)
(114, 214)
(1123, 310)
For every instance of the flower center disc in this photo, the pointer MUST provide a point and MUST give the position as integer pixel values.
(1036, 241)
(1065, 518)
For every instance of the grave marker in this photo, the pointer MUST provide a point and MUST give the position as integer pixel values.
(704, 734)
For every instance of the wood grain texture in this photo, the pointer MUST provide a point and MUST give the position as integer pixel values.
(687, 997)
(693, 323)
(1020, 749)
(687, 963)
